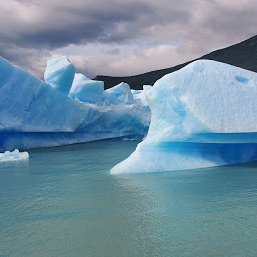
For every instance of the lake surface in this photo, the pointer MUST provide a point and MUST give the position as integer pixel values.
(63, 202)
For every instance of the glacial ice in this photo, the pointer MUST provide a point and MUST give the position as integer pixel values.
(139, 96)
(120, 94)
(59, 74)
(203, 115)
(34, 114)
(143, 110)
(28, 104)
(15, 155)
(87, 90)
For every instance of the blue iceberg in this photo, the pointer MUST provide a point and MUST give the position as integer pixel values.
(34, 113)
(59, 74)
(87, 90)
(203, 115)
(120, 94)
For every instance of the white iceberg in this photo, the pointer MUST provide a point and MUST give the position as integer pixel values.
(203, 115)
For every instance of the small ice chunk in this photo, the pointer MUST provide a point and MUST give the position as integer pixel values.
(15, 155)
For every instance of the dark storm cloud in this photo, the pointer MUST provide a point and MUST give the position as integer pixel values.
(54, 24)
(30, 59)
(33, 30)
(81, 27)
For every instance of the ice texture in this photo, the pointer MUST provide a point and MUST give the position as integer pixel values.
(203, 115)
(120, 94)
(59, 74)
(143, 110)
(15, 155)
(34, 114)
(139, 96)
(28, 104)
(87, 90)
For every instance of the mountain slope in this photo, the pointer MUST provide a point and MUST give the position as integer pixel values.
(243, 54)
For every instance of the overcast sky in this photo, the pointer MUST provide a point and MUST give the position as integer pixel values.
(120, 37)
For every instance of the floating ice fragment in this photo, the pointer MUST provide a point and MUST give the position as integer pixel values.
(15, 155)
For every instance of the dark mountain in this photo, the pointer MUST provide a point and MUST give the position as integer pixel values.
(243, 54)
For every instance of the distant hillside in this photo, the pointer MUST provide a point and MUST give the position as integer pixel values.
(243, 54)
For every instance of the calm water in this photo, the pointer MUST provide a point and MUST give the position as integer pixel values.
(63, 202)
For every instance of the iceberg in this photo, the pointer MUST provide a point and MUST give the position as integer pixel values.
(59, 74)
(34, 114)
(87, 90)
(203, 115)
(119, 94)
(143, 110)
(15, 155)
(139, 96)
(28, 104)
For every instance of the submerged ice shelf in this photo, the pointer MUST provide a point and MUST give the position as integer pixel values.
(34, 113)
(203, 115)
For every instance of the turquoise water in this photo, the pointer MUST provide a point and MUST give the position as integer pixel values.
(63, 202)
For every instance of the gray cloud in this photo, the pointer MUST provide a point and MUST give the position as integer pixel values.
(30, 59)
(53, 24)
(113, 51)
(120, 37)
